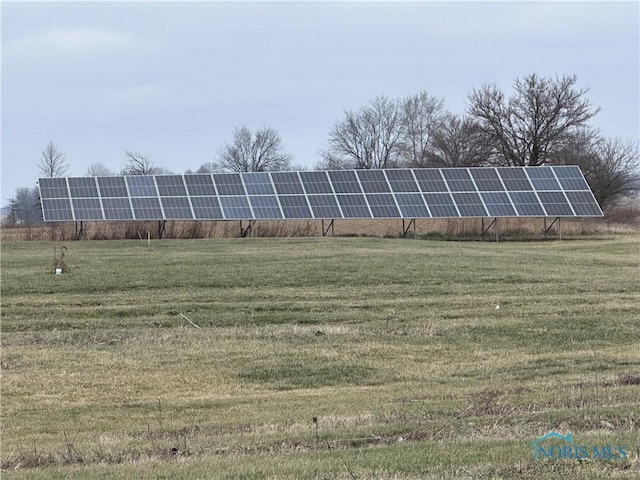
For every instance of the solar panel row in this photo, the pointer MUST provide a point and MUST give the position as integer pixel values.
(394, 193)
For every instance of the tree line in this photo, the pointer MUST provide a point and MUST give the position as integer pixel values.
(543, 121)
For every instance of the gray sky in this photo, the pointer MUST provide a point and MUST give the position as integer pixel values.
(172, 79)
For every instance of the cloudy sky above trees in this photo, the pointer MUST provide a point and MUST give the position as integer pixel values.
(173, 79)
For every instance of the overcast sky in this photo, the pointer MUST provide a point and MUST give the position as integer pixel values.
(172, 79)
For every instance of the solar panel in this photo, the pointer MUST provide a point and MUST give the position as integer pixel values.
(382, 205)
(395, 193)
(543, 178)
(555, 203)
(486, 179)
(469, 204)
(200, 185)
(171, 186)
(430, 180)
(83, 187)
(498, 204)
(265, 206)
(112, 187)
(441, 205)
(514, 179)
(316, 182)
(373, 181)
(527, 204)
(287, 183)
(412, 205)
(258, 183)
(402, 180)
(354, 206)
(236, 208)
(176, 208)
(146, 208)
(53, 188)
(87, 208)
(206, 208)
(584, 204)
(344, 181)
(56, 209)
(229, 183)
(570, 177)
(142, 186)
(117, 209)
(458, 179)
(295, 206)
(324, 206)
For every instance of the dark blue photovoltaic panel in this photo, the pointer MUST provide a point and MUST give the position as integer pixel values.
(555, 204)
(176, 208)
(295, 206)
(206, 208)
(571, 178)
(57, 209)
(142, 186)
(584, 204)
(441, 205)
(171, 186)
(83, 187)
(382, 205)
(53, 188)
(265, 206)
(87, 208)
(316, 182)
(200, 185)
(145, 208)
(229, 184)
(373, 181)
(542, 178)
(354, 206)
(117, 209)
(469, 204)
(514, 179)
(401, 180)
(287, 183)
(527, 204)
(458, 180)
(430, 180)
(344, 181)
(236, 208)
(324, 206)
(393, 193)
(112, 187)
(412, 205)
(498, 204)
(486, 179)
(258, 183)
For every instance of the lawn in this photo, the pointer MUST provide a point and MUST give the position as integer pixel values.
(332, 358)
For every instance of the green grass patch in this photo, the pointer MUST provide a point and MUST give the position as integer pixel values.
(318, 358)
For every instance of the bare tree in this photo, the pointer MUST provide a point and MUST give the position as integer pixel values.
(25, 207)
(140, 164)
(52, 161)
(529, 127)
(368, 138)
(208, 167)
(261, 151)
(458, 141)
(98, 170)
(421, 114)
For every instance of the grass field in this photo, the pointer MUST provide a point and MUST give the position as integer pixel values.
(326, 358)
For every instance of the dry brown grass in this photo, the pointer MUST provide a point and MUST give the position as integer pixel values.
(623, 219)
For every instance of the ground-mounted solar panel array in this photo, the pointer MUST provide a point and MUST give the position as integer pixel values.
(559, 191)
